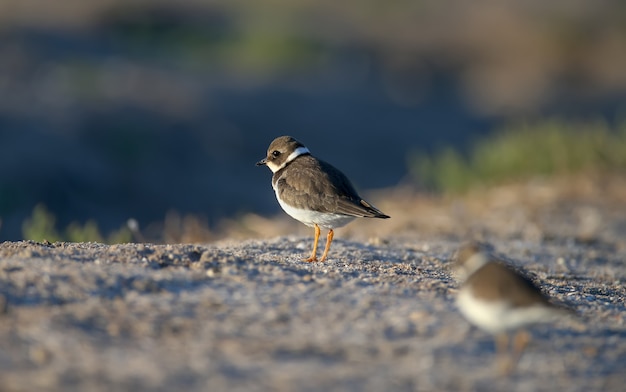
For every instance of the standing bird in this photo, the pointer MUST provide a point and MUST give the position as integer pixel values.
(313, 191)
(497, 299)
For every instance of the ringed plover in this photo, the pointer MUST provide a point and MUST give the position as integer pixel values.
(313, 191)
(497, 299)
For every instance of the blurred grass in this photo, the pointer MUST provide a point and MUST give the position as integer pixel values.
(522, 151)
(42, 226)
(215, 40)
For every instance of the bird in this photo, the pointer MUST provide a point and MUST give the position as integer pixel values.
(313, 191)
(498, 299)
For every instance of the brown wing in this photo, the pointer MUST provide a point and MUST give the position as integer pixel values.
(310, 183)
(496, 280)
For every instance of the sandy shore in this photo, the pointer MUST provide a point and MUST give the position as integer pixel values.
(251, 316)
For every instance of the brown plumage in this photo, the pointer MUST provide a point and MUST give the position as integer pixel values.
(497, 298)
(314, 191)
(495, 281)
(310, 183)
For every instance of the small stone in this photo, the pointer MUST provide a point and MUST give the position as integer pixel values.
(206, 257)
(39, 355)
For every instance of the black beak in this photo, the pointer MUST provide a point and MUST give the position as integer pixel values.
(262, 162)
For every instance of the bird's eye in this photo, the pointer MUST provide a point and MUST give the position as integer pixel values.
(275, 153)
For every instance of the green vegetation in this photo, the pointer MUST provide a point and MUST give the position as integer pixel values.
(41, 226)
(523, 151)
(237, 41)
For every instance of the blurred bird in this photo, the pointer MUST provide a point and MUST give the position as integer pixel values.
(497, 299)
(313, 191)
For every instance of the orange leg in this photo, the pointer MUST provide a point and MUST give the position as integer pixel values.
(503, 360)
(519, 344)
(502, 343)
(329, 239)
(520, 341)
(315, 241)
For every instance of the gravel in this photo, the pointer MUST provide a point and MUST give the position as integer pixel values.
(250, 316)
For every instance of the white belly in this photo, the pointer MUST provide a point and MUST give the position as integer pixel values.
(311, 218)
(495, 317)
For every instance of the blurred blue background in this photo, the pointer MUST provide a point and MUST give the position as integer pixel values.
(117, 109)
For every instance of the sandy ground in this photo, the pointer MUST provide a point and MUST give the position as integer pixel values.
(250, 316)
